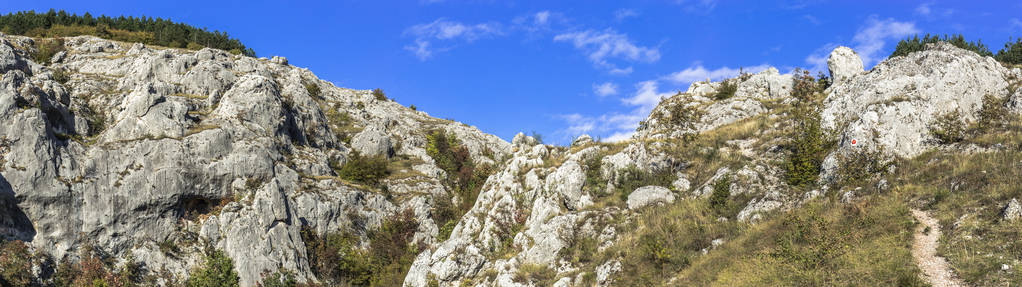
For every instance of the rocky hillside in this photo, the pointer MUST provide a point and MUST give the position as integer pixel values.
(161, 163)
(159, 153)
(701, 193)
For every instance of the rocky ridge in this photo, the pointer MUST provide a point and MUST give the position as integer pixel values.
(145, 145)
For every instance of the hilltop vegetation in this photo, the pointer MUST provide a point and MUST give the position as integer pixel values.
(147, 30)
(1010, 54)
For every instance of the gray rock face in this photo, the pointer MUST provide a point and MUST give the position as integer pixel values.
(143, 147)
(844, 64)
(891, 107)
(372, 141)
(646, 195)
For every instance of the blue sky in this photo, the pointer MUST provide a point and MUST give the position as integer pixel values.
(559, 68)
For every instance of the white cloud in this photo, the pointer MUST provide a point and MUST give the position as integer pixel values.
(812, 19)
(600, 46)
(622, 14)
(868, 42)
(620, 126)
(445, 30)
(697, 73)
(541, 17)
(924, 9)
(928, 11)
(1016, 24)
(818, 59)
(605, 89)
(420, 49)
(697, 5)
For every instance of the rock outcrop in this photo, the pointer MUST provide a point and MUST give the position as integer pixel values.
(844, 64)
(143, 147)
(129, 148)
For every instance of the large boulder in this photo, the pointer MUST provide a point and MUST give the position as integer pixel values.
(372, 141)
(647, 195)
(844, 64)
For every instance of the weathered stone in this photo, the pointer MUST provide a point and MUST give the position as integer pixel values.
(1012, 210)
(844, 64)
(647, 195)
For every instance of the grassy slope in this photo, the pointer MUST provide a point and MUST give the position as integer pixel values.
(826, 242)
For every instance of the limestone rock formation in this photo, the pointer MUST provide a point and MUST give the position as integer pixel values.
(143, 147)
(844, 64)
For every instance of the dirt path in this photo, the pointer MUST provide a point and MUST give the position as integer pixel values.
(924, 249)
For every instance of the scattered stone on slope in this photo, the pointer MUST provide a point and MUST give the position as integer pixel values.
(646, 195)
(1012, 210)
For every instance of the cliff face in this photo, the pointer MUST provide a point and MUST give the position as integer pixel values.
(136, 147)
(132, 149)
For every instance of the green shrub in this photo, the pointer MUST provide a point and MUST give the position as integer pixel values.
(807, 143)
(379, 95)
(46, 48)
(595, 182)
(661, 253)
(15, 264)
(726, 90)
(313, 90)
(61, 76)
(336, 258)
(685, 117)
(367, 170)
(217, 270)
(464, 177)
(148, 30)
(915, 44)
(1011, 53)
(993, 114)
(949, 128)
(281, 278)
(860, 166)
(809, 241)
(721, 192)
(579, 247)
(537, 136)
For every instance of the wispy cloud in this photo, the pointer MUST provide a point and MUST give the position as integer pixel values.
(927, 10)
(817, 61)
(811, 19)
(697, 5)
(617, 125)
(447, 31)
(542, 21)
(868, 42)
(605, 89)
(1015, 24)
(697, 73)
(924, 9)
(622, 14)
(601, 46)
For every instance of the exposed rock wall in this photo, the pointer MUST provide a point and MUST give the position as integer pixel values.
(146, 145)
